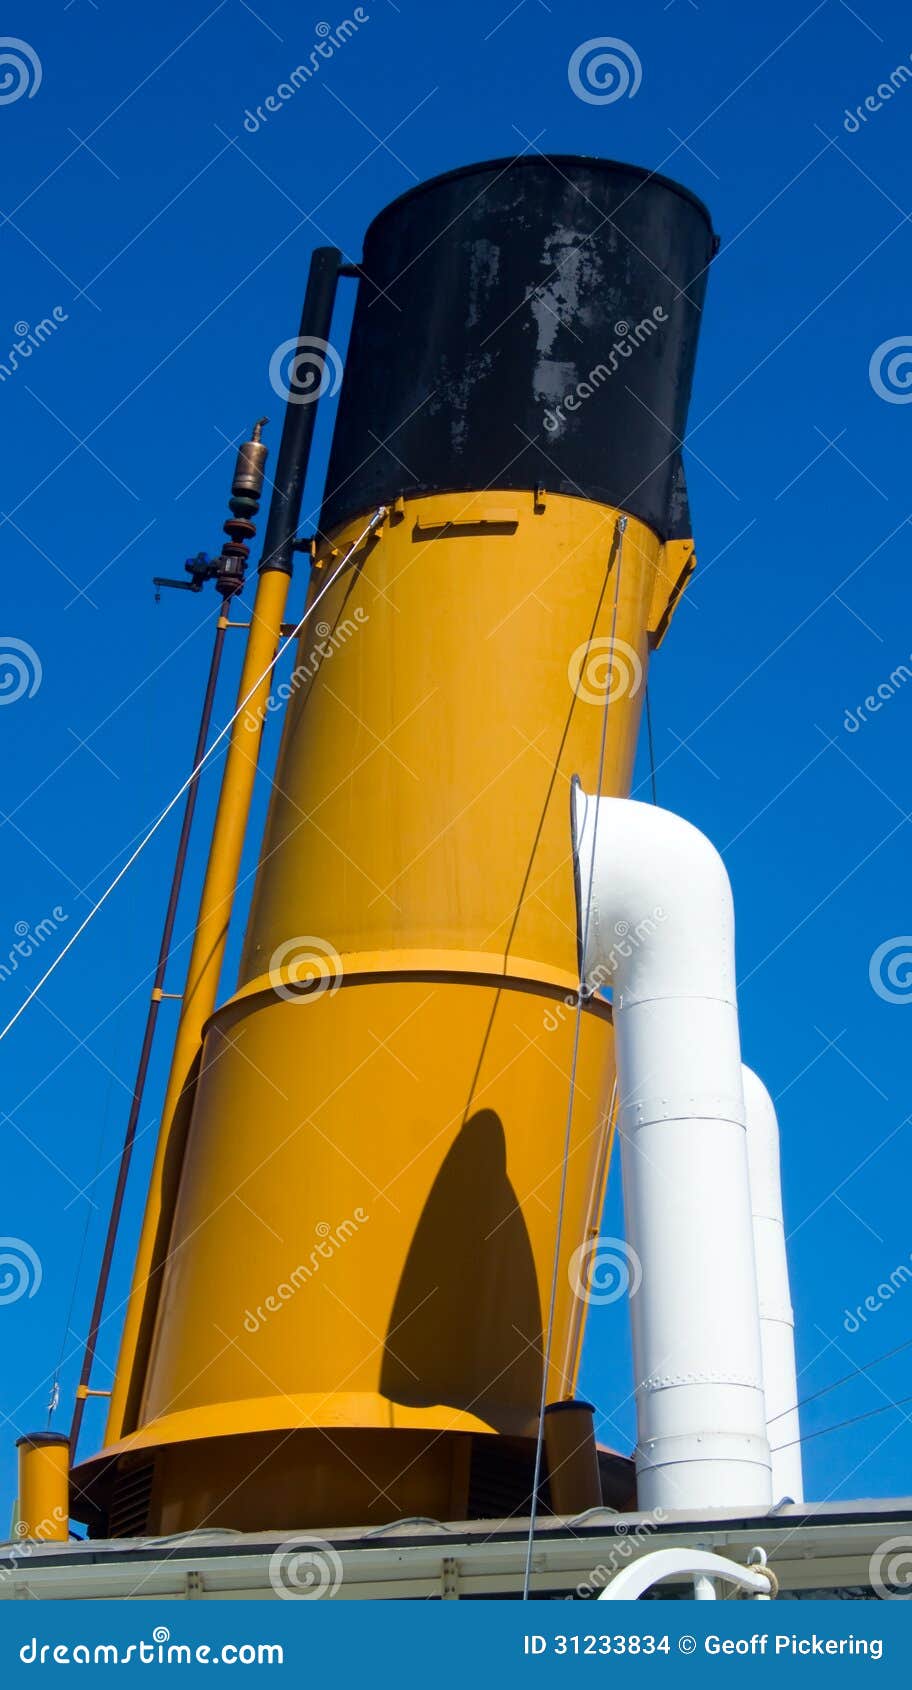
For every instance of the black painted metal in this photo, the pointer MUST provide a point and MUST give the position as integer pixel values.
(525, 322)
(303, 394)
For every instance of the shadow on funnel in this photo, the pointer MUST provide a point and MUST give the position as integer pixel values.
(466, 1327)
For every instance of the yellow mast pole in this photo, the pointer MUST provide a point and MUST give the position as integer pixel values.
(208, 952)
(207, 955)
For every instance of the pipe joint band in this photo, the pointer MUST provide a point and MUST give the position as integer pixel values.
(782, 1313)
(693, 1111)
(734, 1451)
(670, 1381)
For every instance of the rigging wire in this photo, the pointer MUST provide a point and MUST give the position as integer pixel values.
(546, 1361)
(54, 1399)
(824, 1389)
(374, 522)
(852, 1421)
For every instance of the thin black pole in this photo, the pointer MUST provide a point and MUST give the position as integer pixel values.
(300, 413)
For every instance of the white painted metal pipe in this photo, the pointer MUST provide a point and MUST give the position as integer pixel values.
(777, 1325)
(657, 924)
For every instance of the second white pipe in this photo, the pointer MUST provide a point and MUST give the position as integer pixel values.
(777, 1324)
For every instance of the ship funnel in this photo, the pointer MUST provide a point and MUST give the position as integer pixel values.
(344, 1281)
(526, 323)
(657, 925)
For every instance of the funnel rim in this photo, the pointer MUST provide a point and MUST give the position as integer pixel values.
(556, 159)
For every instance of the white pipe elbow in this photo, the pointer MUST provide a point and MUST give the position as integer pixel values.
(657, 925)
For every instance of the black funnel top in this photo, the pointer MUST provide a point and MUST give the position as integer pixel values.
(527, 322)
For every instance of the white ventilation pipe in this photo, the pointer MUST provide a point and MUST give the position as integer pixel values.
(777, 1325)
(657, 924)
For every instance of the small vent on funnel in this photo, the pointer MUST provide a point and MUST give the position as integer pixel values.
(130, 1502)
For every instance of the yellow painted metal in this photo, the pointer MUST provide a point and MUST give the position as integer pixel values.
(361, 1235)
(424, 748)
(679, 560)
(206, 958)
(43, 1507)
(577, 1327)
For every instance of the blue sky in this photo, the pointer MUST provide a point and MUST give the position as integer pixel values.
(174, 245)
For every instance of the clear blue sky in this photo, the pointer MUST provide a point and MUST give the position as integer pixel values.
(176, 244)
